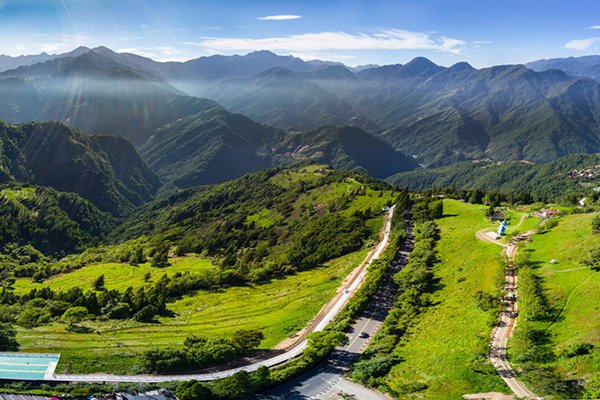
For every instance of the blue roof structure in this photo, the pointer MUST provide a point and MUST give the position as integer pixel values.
(502, 228)
(27, 366)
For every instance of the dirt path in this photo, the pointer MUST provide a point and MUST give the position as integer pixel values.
(507, 322)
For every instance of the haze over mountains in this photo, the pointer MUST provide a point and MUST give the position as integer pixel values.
(585, 66)
(215, 118)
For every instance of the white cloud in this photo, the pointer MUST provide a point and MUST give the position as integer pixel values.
(282, 17)
(582, 44)
(595, 27)
(479, 43)
(389, 39)
(324, 56)
(60, 43)
(160, 53)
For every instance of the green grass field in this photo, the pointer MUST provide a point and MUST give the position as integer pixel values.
(279, 309)
(443, 349)
(572, 288)
(117, 275)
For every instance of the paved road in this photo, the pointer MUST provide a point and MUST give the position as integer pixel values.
(338, 302)
(327, 381)
(505, 327)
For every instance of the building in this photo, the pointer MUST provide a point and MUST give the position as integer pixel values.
(502, 228)
(549, 213)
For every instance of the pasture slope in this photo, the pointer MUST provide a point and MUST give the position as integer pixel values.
(445, 351)
(572, 289)
(279, 309)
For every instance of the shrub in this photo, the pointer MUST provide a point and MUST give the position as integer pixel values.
(75, 315)
(596, 224)
(8, 341)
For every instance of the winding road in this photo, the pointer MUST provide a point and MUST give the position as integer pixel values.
(327, 314)
(507, 322)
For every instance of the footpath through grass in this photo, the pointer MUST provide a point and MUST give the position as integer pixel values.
(279, 309)
(573, 291)
(445, 350)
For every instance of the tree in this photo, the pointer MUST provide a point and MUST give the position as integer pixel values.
(193, 390)
(75, 315)
(146, 314)
(596, 224)
(436, 209)
(31, 317)
(237, 386)
(262, 377)
(161, 256)
(8, 341)
(247, 339)
(99, 283)
(593, 258)
(137, 257)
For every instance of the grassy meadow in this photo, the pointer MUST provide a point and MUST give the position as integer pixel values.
(117, 276)
(572, 289)
(445, 348)
(279, 309)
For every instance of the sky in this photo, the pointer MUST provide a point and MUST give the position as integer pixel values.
(481, 32)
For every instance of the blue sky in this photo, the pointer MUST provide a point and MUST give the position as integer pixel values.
(482, 32)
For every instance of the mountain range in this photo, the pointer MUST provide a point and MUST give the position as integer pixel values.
(585, 66)
(216, 118)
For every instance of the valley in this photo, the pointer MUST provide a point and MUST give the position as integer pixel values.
(228, 215)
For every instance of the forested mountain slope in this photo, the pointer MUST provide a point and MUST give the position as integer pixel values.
(209, 147)
(38, 219)
(103, 169)
(566, 178)
(93, 93)
(584, 66)
(267, 221)
(345, 148)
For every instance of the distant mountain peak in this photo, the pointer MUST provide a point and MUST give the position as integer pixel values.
(262, 53)
(420, 66)
(277, 73)
(461, 67)
(421, 61)
(334, 71)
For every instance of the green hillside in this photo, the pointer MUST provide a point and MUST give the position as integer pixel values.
(211, 146)
(41, 219)
(345, 148)
(567, 178)
(267, 222)
(278, 309)
(563, 314)
(262, 252)
(443, 352)
(104, 170)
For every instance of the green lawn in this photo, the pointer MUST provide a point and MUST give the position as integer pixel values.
(116, 275)
(442, 349)
(278, 309)
(573, 290)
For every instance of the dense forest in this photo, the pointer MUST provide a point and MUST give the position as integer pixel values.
(565, 179)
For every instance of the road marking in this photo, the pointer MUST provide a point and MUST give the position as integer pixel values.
(358, 335)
